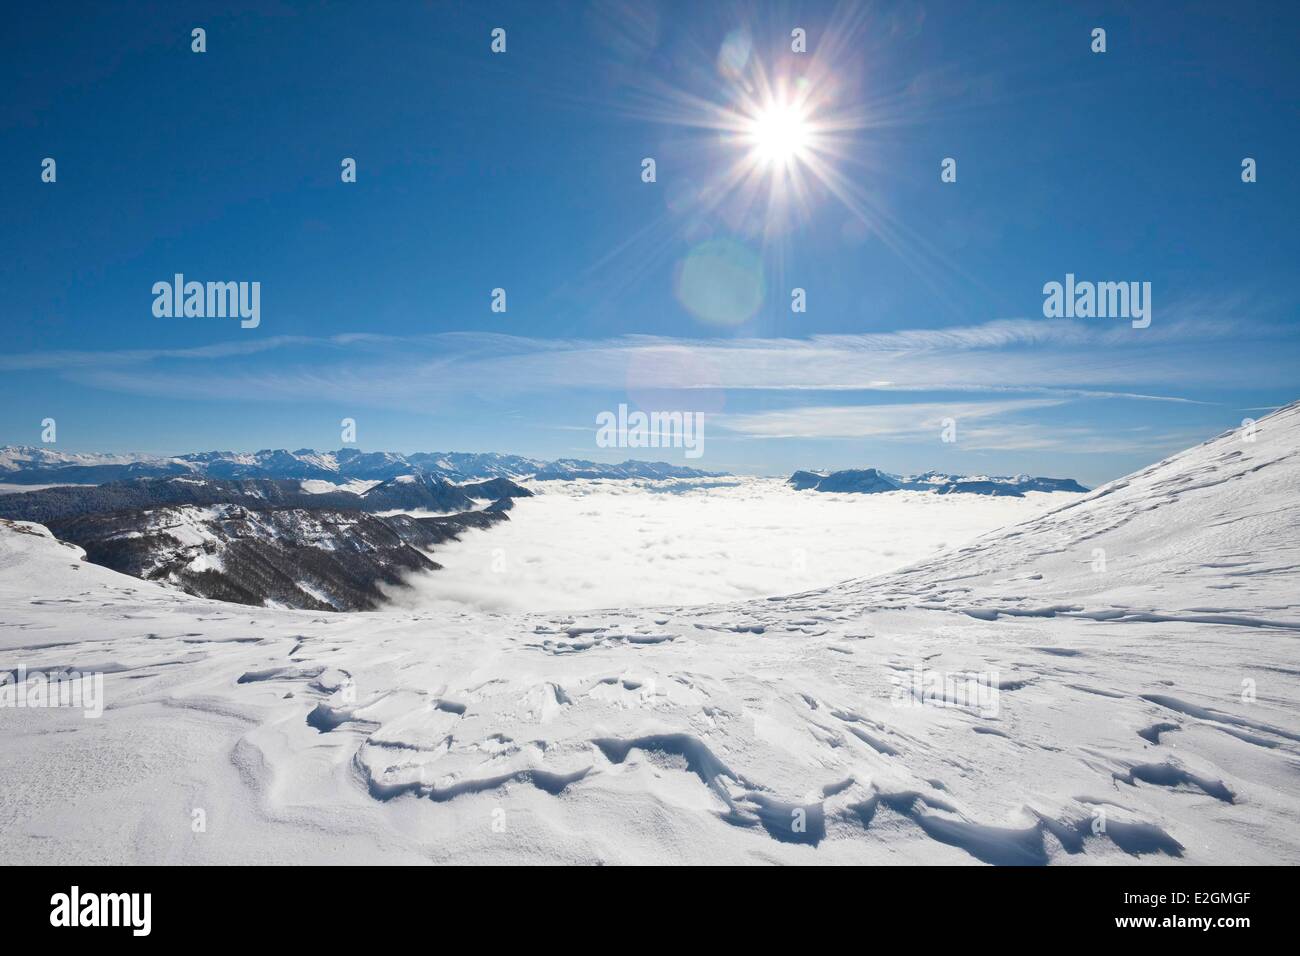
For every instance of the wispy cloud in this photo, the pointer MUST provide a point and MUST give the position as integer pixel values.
(979, 426)
(69, 359)
(1061, 358)
(904, 421)
(1011, 436)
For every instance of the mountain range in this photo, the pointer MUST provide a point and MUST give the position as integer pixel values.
(28, 465)
(262, 541)
(874, 481)
(421, 492)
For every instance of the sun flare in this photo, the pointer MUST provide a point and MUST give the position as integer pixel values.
(777, 141)
(779, 134)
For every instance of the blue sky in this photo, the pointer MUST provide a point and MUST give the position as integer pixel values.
(522, 171)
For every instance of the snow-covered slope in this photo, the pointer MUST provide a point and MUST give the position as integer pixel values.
(1210, 535)
(1010, 702)
(285, 557)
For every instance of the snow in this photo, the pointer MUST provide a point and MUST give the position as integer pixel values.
(326, 461)
(187, 524)
(316, 486)
(1145, 713)
(308, 588)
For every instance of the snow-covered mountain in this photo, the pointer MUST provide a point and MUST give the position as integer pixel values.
(985, 484)
(495, 488)
(1111, 682)
(858, 481)
(262, 541)
(873, 481)
(20, 464)
(421, 492)
(28, 465)
(318, 560)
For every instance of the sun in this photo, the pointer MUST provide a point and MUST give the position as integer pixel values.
(779, 134)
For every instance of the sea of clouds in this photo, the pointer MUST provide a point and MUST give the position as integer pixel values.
(583, 545)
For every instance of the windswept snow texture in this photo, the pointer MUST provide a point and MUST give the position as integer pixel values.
(1137, 647)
